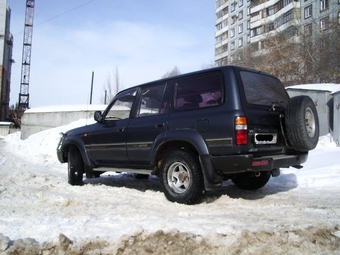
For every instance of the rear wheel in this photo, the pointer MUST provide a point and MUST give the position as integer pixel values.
(182, 178)
(75, 166)
(302, 123)
(251, 180)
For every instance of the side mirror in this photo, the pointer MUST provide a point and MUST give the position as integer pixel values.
(98, 116)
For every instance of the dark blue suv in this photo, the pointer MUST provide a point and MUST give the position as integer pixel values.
(195, 130)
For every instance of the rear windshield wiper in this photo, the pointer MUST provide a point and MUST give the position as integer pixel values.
(275, 104)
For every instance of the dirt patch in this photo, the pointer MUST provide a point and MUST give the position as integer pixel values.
(312, 240)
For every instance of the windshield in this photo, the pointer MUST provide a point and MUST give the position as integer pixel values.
(261, 89)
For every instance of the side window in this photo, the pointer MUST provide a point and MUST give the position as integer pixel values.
(199, 92)
(121, 106)
(154, 100)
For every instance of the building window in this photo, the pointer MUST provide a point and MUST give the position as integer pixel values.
(308, 11)
(308, 30)
(323, 5)
(219, 15)
(225, 35)
(233, 6)
(225, 23)
(233, 19)
(240, 42)
(240, 15)
(324, 23)
(225, 11)
(269, 27)
(219, 3)
(240, 28)
(232, 45)
(240, 3)
(224, 48)
(270, 11)
(218, 39)
(218, 51)
(248, 24)
(232, 32)
(219, 26)
(255, 31)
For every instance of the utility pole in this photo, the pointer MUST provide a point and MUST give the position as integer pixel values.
(26, 56)
(91, 87)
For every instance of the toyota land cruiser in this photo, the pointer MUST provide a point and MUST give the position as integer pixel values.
(195, 130)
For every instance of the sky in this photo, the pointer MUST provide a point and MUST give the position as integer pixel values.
(142, 39)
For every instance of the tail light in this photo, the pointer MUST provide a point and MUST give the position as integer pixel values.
(241, 131)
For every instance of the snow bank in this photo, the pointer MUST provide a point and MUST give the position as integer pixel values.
(295, 213)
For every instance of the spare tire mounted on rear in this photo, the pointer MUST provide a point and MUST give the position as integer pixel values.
(302, 123)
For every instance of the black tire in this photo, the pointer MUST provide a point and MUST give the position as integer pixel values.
(75, 166)
(182, 178)
(302, 123)
(251, 180)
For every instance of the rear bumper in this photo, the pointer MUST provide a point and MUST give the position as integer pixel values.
(214, 168)
(242, 163)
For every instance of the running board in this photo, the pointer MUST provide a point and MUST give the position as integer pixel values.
(123, 170)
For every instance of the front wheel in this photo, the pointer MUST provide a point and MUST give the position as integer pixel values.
(251, 180)
(182, 177)
(75, 166)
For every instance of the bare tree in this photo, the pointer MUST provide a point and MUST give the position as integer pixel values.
(15, 114)
(175, 71)
(297, 56)
(111, 88)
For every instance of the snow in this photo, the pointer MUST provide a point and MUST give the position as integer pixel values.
(295, 213)
(331, 87)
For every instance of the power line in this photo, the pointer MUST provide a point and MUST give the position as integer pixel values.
(61, 14)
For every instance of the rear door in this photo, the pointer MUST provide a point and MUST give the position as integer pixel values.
(265, 99)
(201, 107)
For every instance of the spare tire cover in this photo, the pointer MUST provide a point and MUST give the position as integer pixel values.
(302, 123)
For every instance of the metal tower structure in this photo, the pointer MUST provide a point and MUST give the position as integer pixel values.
(26, 56)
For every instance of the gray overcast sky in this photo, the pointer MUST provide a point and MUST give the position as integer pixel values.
(143, 38)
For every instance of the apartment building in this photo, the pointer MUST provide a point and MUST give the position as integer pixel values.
(240, 23)
(232, 28)
(6, 46)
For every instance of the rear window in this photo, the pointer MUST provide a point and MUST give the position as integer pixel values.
(261, 89)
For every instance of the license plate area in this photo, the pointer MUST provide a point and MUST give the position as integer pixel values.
(265, 138)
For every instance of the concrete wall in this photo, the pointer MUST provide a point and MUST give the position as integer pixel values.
(6, 128)
(39, 119)
(336, 114)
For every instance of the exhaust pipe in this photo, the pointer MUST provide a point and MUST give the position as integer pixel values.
(257, 174)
